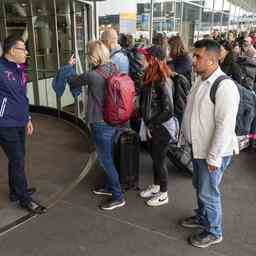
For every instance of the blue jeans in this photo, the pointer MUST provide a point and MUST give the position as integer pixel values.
(102, 135)
(208, 194)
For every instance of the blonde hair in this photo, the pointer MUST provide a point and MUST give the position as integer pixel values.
(98, 53)
(109, 37)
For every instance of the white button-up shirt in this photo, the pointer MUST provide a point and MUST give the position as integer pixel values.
(208, 127)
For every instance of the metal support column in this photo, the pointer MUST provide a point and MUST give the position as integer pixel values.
(3, 25)
(221, 17)
(200, 21)
(238, 17)
(212, 20)
(74, 44)
(32, 40)
(95, 20)
(234, 21)
(52, 5)
(90, 21)
(151, 21)
(86, 34)
(161, 16)
(181, 16)
(229, 17)
(86, 66)
(174, 17)
(73, 26)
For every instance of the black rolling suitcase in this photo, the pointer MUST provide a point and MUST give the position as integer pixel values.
(126, 151)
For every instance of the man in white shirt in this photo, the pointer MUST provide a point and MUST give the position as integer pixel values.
(210, 129)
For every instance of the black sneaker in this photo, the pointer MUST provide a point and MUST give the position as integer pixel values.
(101, 191)
(112, 204)
(13, 197)
(33, 207)
(204, 239)
(191, 222)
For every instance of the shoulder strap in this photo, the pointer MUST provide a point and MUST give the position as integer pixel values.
(101, 72)
(121, 50)
(215, 86)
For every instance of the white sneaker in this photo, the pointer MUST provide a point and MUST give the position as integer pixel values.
(150, 191)
(159, 199)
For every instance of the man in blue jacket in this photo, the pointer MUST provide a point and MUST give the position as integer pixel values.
(15, 121)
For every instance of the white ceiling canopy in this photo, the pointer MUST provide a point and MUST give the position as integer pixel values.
(248, 5)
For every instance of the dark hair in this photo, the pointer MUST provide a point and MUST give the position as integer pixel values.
(209, 44)
(226, 45)
(233, 33)
(157, 52)
(125, 40)
(11, 41)
(158, 39)
(177, 47)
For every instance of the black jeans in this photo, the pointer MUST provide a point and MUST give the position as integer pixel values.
(158, 146)
(12, 141)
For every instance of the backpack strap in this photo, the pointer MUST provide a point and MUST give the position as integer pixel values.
(121, 50)
(215, 86)
(101, 72)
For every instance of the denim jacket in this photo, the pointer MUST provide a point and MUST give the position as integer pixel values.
(62, 78)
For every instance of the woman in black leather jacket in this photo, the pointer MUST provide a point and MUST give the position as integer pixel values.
(157, 111)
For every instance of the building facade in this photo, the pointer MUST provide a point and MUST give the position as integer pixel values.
(193, 18)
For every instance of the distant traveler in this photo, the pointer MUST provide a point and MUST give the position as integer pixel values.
(15, 121)
(161, 40)
(210, 129)
(248, 48)
(180, 61)
(216, 35)
(110, 38)
(126, 41)
(232, 39)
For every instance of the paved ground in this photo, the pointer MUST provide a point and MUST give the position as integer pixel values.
(75, 226)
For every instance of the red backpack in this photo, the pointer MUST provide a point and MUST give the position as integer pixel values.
(119, 98)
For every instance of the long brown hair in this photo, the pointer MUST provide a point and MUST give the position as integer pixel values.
(157, 70)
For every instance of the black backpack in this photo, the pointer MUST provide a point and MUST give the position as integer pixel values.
(181, 90)
(248, 71)
(246, 109)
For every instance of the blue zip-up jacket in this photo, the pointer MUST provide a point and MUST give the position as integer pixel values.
(14, 105)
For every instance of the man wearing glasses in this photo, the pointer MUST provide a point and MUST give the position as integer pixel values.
(15, 121)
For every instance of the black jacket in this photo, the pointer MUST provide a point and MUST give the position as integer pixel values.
(182, 65)
(248, 72)
(156, 104)
(231, 68)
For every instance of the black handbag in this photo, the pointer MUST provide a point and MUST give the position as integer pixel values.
(181, 157)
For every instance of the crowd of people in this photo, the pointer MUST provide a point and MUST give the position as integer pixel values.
(207, 126)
